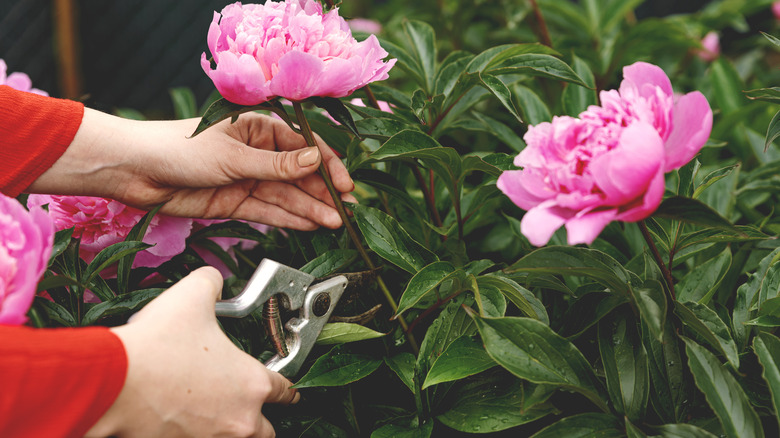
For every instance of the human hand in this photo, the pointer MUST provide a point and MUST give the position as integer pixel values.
(256, 169)
(185, 378)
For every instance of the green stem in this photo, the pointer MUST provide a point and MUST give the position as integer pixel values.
(309, 136)
(544, 33)
(657, 256)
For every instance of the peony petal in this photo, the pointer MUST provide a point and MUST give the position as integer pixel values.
(238, 79)
(541, 222)
(625, 172)
(637, 77)
(586, 227)
(298, 77)
(649, 202)
(524, 188)
(692, 124)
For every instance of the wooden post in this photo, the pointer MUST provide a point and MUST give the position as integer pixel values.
(67, 49)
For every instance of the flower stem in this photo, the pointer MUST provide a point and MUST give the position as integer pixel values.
(371, 98)
(544, 33)
(667, 273)
(310, 140)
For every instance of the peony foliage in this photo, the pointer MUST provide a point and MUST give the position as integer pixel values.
(567, 222)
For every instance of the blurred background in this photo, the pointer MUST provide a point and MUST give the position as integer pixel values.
(129, 53)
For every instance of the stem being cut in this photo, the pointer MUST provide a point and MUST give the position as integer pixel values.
(311, 141)
(666, 271)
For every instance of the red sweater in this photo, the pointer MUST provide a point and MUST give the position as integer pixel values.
(53, 382)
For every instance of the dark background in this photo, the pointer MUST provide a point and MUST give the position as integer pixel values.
(133, 51)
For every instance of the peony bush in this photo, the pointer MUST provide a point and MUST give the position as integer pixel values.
(566, 222)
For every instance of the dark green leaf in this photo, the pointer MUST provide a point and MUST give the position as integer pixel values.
(426, 281)
(577, 98)
(449, 71)
(390, 241)
(545, 66)
(55, 312)
(464, 357)
(342, 333)
(614, 12)
(771, 38)
(380, 128)
(223, 109)
(726, 85)
(687, 175)
(337, 110)
(421, 39)
(723, 393)
(136, 233)
(768, 94)
(707, 324)
(532, 351)
(694, 212)
(403, 366)
(500, 90)
(123, 304)
(651, 301)
(588, 310)
(497, 129)
(387, 183)
(773, 131)
(396, 430)
(713, 177)
(338, 367)
(625, 364)
(765, 278)
(330, 262)
(590, 425)
(406, 61)
(184, 105)
(700, 284)
(683, 431)
(532, 106)
(61, 241)
(110, 255)
(495, 402)
(452, 323)
(517, 294)
(669, 393)
(564, 260)
(767, 348)
(55, 281)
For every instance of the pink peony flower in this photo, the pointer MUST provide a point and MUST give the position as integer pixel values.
(18, 81)
(776, 9)
(609, 163)
(288, 49)
(710, 47)
(384, 106)
(101, 222)
(364, 25)
(26, 240)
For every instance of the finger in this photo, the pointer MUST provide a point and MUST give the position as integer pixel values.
(192, 296)
(264, 428)
(338, 173)
(256, 210)
(257, 164)
(280, 390)
(298, 202)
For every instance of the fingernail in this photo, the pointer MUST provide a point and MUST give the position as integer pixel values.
(308, 157)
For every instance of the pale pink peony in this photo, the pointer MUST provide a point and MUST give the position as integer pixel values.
(17, 80)
(364, 25)
(101, 222)
(609, 163)
(26, 240)
(776, 9)
(710, 47)
(288, 49)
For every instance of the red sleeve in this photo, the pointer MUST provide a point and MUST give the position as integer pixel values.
(34, 132)
(57, 382)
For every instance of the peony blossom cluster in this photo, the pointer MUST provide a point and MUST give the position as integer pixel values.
(26, 240)
(17, 80)
(288, 49)
(609, 163)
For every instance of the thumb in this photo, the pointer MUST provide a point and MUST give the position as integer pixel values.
(191, 299)
(278, 165)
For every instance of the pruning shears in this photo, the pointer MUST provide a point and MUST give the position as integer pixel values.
(273, 282)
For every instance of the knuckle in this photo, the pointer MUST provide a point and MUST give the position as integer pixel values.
(284, 164)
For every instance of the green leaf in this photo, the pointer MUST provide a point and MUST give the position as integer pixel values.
(343, 332)
(650, 299)
(545, 66)
(136, 233)
(330, 262)
(565, 260)
(396, 430)
(389, 240)
(683, 431)
(426, 281)
(765, 278)
(495, 128)
(694, 212)
(700, 284)
(773, 131)
(61, 241)
(532, 106)
(726, 85)
(223, 109)
(767, 348)
(713, 177)
(338, 367)
(588, 310)
(403, 366)
(768, 94)
(55, 312)
(577, 98)
(501, 91)
(184, 105)
(771, 38)
(55, 281)
(406, 60)
(517, 294)
(495, 402)
(615, 12)
(723, 393)
(108, 256)
(380, 128)
(590, 425)
(449, 71)
(387, 183)
(464, 357)
(421, 39)
(707, 324)
(452, 323)
(532, 351)
(686, 176)
(625, 364)
(669, 394)
(337, 110)
(122, 304)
